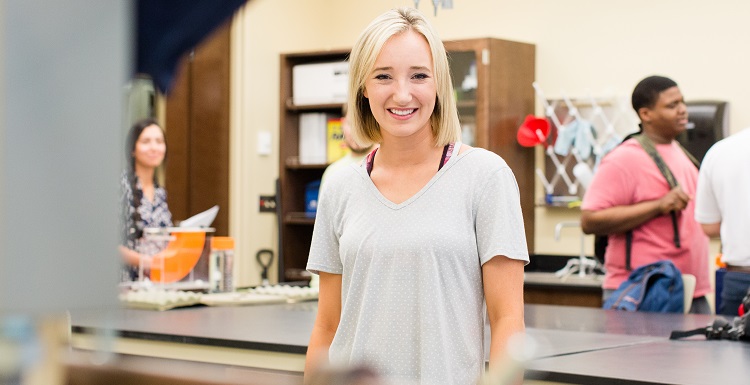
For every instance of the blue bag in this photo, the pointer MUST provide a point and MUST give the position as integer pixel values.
(656, 287)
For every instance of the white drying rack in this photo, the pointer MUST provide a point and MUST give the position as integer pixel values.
(605, 130)
(582, 265)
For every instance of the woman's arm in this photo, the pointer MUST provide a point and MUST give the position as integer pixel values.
(503, 290)
(326, 323)
(133, 258)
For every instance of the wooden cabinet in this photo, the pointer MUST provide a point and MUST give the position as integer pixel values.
(493, 81)
(496, 108)
(295, 227)
(197, 126)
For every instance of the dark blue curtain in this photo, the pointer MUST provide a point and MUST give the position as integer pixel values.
(167, 29)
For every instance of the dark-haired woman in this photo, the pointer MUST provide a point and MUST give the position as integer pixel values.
(144, 202)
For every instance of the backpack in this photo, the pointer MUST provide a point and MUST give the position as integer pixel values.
(601, 241)
(656, 287)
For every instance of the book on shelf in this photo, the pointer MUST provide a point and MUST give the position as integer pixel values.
(335, 140)
(312, 138)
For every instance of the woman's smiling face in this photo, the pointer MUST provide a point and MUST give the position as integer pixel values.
(401, 87)
(150, 148)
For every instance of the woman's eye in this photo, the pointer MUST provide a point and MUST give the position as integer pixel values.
(420, 76)
(382, 77)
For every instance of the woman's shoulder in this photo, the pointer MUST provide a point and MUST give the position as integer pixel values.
(342, 177)
(481, 157)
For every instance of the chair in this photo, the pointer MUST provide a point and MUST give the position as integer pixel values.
(688, 283)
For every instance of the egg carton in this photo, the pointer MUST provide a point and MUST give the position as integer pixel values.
(241, 298)
(291, 293)
(159, 299)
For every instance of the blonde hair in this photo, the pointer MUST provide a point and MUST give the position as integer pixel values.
(365, 129)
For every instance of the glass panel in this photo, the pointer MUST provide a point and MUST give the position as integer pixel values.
(464, 74)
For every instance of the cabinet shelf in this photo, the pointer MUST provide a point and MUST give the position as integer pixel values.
(292, 163)
(466, 104)
(312, 107)
(299, 218)
(295, 227)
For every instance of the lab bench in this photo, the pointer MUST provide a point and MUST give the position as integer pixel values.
(575, 344)
(542, 286)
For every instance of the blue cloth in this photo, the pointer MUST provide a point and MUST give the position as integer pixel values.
(734, 288)
(167, 29)
(575, 134)
(656, 287)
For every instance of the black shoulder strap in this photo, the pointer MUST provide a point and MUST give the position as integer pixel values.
(649, 147)
(628, 249)
(690, 156)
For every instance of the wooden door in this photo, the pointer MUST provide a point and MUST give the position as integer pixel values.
(197, 125)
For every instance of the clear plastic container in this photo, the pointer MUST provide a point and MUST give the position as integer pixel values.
(221, 265)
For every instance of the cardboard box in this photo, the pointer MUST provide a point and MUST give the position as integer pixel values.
(320, 83)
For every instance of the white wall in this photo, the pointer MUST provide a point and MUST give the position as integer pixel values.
(582, 46)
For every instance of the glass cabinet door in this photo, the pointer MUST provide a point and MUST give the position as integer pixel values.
(464, 74)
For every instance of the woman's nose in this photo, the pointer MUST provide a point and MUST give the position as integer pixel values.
(402, 93)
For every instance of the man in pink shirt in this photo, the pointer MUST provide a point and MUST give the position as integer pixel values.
(629, 193)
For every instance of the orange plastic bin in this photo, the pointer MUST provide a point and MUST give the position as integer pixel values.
(178, 259)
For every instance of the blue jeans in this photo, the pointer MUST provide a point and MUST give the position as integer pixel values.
(735, 288)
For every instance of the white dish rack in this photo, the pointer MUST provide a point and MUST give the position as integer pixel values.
(160, 299)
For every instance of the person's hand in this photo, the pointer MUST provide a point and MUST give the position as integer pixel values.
(146, 260)
(675, 200)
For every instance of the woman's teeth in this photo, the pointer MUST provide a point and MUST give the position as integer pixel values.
(402, 112)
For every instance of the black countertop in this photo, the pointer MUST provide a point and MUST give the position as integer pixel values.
(287, 327)
(575, 344)
(279, 328)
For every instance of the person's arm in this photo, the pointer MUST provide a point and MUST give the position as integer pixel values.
(326, 323)
(713, 230)
(133, 258)
(503, 290)
(620, 219)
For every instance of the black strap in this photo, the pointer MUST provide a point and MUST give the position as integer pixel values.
(628, 249)
(649, 147)
(677, 334)
(442, 158)
(690, 156)
(370, 162)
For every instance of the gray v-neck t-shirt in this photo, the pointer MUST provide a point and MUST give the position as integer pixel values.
(412, 296)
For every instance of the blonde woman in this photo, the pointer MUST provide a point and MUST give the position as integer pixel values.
(413, 242)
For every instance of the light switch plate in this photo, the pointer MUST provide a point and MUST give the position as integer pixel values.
(264, 143)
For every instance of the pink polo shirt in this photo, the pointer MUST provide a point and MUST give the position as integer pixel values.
(628, 175)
